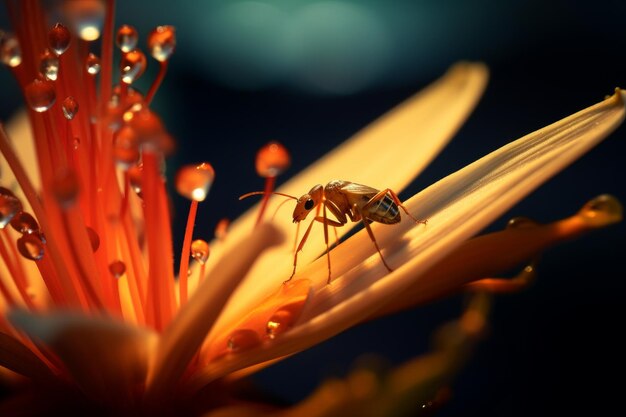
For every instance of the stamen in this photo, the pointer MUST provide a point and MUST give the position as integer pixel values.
(221, 229)
(192, 182)
(161, 43)
(271, 160)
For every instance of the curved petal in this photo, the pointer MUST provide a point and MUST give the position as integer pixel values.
(419, 128)
(457, 207)
(106, 358)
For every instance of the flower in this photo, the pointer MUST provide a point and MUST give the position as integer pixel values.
(94, 316)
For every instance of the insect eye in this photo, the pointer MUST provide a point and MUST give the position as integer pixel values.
(308, 205)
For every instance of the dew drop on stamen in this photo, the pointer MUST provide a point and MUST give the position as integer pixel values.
(117, 268)
(194, 181)
(200, 251)
(10, 51)
(135, 177)
(24, 222)
(92, 64)
(10, 206)
(86, 16)
(70, 107)
(49, 65)
(272, 159)
(602, 211)
(65, 187)
(162, 42)
(222, 228)
(94, 238)
(31, 246)
(125, 147)
(59, 38)
(132, 66)
(40, 95)
(126, 38)
(243, 339)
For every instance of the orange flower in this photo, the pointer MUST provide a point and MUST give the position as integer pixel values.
(92, 315)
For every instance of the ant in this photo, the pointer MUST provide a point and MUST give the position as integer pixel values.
(345, 200)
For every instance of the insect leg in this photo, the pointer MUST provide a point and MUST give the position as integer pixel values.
(299, 248)
(369, 231)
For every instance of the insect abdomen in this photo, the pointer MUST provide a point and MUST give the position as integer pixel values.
(384, 211)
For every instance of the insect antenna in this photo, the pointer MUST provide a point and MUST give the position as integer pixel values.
(263, 193)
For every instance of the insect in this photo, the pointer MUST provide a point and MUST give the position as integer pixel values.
(346, 201)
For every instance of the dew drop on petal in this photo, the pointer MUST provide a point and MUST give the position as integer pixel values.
(10, 205)
(162, 42)
(117, 268)
(272, 159)
(86, 17)
(94, 239)
(602, 211)
(31, 246)
(65, 187)
(24, 223)
(59, 38)
(200, 251)
(285, 316)
(126, 38)
(243, 339)
(10, 51)
(92, 64)
(70, 107)
(132, 66)
(194, 181)
(40, 95)
(521, 223)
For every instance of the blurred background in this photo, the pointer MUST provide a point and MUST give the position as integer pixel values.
(311, 73)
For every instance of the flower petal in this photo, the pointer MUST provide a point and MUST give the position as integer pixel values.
(182, 338)
(419, 128)
(18, 358)
(107, 359)
(456, 207)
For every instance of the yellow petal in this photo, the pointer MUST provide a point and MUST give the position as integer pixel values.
(403, 141)
(457, 207)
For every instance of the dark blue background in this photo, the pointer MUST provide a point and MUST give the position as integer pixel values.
(554, 348)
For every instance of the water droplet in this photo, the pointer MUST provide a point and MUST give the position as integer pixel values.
(70, 107)
(10, 51)
(200, 251)
(132, 66)
(10, 205)
(31, 246)
(49, 65)
(86, 16)
(59, 38)
(24, 223)
(65, 187)
(92, 64)
(161, 42)
(272, 159)
(602, 211)
(40, 95)
(126, 38)
(94, 239)
(194, 181)
(125, 147)
(117, 268)
(135, 176)
(222, 228)
(284, 318)
(150, 131)
(243, 339)
(521, 223)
